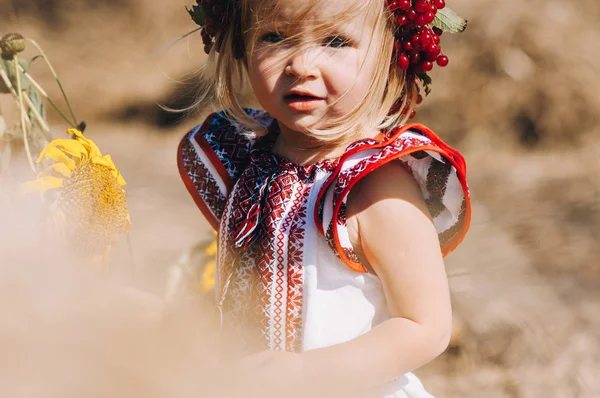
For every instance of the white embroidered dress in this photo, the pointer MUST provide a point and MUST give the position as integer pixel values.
(287, 276)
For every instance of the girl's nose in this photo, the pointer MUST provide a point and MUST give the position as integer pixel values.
(302, 64)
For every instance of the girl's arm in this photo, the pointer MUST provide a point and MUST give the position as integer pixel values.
(396, 236)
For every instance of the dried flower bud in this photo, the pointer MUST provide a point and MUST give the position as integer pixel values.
(11, 44)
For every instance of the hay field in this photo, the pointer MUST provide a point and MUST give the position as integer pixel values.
(519, 99)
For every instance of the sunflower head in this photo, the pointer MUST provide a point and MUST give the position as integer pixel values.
(90, 206)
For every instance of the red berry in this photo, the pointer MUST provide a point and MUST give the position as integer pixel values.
(402, 20)
(436, 39)
(429, 17)
(421, 20)
(404, 4)
(407, 45)
(210, 30)
(415, 58)
(393, 6)
(419, 99)
(440, 4)
(403, 61)
(426, 38)
(416, 41)
(433, 49)
(433, 8)
(442, 60)
(427, 66)
(412, 114)
(411, 14)
(421, 6)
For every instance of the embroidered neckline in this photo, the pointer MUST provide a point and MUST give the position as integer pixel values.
(264, 149)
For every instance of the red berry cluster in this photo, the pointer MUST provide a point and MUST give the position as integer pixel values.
(213, 18)
(417, 45)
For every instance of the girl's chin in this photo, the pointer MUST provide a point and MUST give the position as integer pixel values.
(300, 122)
(299, 126)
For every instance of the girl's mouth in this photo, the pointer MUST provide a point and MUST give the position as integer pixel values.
(301, 102)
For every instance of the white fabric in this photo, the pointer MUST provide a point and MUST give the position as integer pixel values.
(341, 304)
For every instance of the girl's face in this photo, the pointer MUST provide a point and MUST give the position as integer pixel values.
(307, 79)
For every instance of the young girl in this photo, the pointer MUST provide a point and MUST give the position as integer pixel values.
(333, 215)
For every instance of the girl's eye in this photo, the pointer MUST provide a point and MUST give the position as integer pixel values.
(337, 42)
(272, 37)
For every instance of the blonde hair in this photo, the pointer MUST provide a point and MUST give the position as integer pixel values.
(389, 99)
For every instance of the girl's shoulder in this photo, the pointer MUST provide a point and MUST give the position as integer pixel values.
(212, 156)
(438, 169)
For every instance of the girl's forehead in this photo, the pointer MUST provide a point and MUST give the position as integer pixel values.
(308, 12)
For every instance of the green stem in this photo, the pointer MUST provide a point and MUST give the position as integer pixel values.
(46, 96)
(61, 114)
(57, 80)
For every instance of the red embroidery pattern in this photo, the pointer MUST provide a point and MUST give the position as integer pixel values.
(278, 192)
(297, 218)
(263, 218)
(204, 185)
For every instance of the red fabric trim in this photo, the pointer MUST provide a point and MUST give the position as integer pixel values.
(455, 158)
(345, 156)
(189, 184)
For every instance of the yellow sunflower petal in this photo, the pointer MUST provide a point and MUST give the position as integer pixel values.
(41, 184)
(71, 147)
(105, 161)
(54, 153)
(89, 144)
(59, 168)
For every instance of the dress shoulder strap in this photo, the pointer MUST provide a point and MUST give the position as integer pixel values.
(211, 157)
(439, 170)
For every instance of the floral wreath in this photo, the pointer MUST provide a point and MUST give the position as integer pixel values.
(420, 23)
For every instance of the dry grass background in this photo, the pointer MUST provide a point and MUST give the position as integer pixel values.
(519, 99)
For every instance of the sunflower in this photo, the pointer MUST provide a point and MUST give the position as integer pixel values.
(89, 204)
(206, 282)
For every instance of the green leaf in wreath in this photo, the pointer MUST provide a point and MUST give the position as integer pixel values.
(425, 81)
(197, 14)
(448, 21)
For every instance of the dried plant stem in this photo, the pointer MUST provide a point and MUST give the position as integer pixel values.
(24, 124)
(57, 81)
(8, 84)
(47, 97)
(38, 117)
